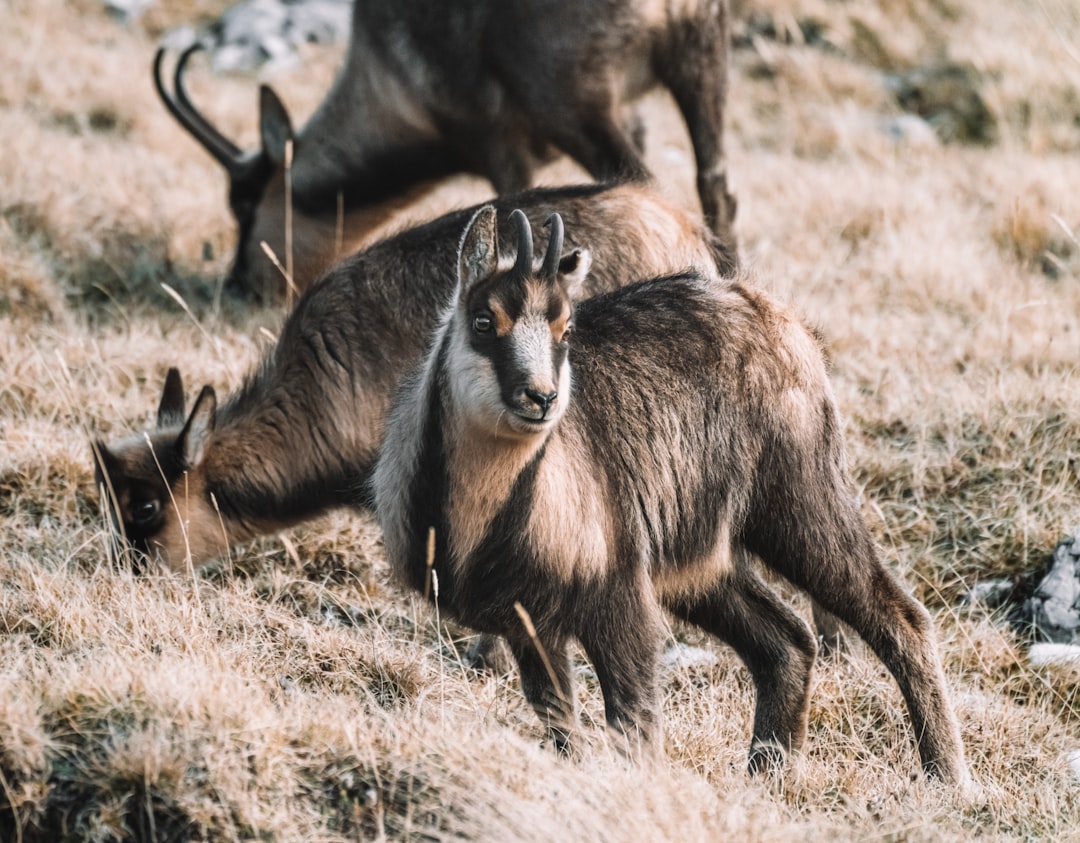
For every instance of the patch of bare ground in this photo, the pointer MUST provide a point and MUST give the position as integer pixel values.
(293, 693)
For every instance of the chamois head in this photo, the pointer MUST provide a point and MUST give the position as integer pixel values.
(151, 484)
(511, 327)
(256, 189)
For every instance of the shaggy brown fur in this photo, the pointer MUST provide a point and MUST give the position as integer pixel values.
(701, 434)
(484, 87)
(300, 437)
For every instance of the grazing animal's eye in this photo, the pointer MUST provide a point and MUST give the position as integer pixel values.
(483, 324)
(146, 510)
(565, 338)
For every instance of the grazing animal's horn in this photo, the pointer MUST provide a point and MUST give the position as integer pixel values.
(523, 264)
(554, 247)
(180, 107)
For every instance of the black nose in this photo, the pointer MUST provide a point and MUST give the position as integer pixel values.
(543, 400)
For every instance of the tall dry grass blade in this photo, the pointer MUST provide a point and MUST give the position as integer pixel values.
(179, 518)
(339, 226)
(526, 621)
(290, 285)
(289, 265)
(224, 534)
(215, 343)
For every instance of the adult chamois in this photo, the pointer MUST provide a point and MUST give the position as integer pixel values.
(300, 436)
(483, 86)
(580, 467)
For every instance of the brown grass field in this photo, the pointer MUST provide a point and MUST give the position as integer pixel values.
(294, 693)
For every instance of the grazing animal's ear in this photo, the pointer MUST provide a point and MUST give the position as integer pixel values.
(478, 256)
(275, 128)
(170, 411)
(195, 436)
(573, 269)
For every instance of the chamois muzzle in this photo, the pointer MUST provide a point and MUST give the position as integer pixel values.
(542, 400)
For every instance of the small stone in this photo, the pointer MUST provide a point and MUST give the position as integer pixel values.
(989, 594)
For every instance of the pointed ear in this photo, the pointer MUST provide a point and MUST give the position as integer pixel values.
(170, 410)
(195, 436)
(573, 269)
(275, 128)
(478, 255)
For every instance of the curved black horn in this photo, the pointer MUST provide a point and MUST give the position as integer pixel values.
(523, 264)
(554, 247)
(224, 151)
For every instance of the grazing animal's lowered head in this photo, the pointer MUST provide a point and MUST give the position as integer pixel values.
(152, 484)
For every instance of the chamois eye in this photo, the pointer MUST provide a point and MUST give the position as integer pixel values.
(146, 510)
(566, 334)
(482, 324)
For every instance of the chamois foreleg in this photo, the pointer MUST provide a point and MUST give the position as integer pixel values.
(777, 648)
(622, 640)
(830, 555)
(548, 685)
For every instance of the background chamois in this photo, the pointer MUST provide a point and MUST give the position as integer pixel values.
(700, 433)
(487, 87)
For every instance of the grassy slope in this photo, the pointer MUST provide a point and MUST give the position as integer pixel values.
(296, 695)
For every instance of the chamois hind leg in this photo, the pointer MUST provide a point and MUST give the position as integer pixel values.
(622, 640)
(821, 545)
(776, 646)
(692, 63)
(548, 687)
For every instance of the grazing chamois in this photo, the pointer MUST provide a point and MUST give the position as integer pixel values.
(300, 437)
(487, 87)
(582, 466)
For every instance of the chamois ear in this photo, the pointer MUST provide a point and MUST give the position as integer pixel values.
(275, 128)
(478, 255)
(573, 269)
(195, 436)
(170, 410)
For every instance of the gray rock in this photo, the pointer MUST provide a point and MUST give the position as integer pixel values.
(1054, 605)
(256, 32)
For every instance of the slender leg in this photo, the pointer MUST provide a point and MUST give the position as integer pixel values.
(829, 553)
(488, 653)
(551, 694)
(623, 643)
(692, 62)
(775, 645)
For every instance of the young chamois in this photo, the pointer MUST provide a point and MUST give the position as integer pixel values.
(485, 86)
(300, 437)
(584, 465)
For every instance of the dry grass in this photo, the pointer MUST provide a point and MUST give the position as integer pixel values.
(296, 695)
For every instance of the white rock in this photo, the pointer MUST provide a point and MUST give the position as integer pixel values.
(1074, 762)
(1061, 655)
